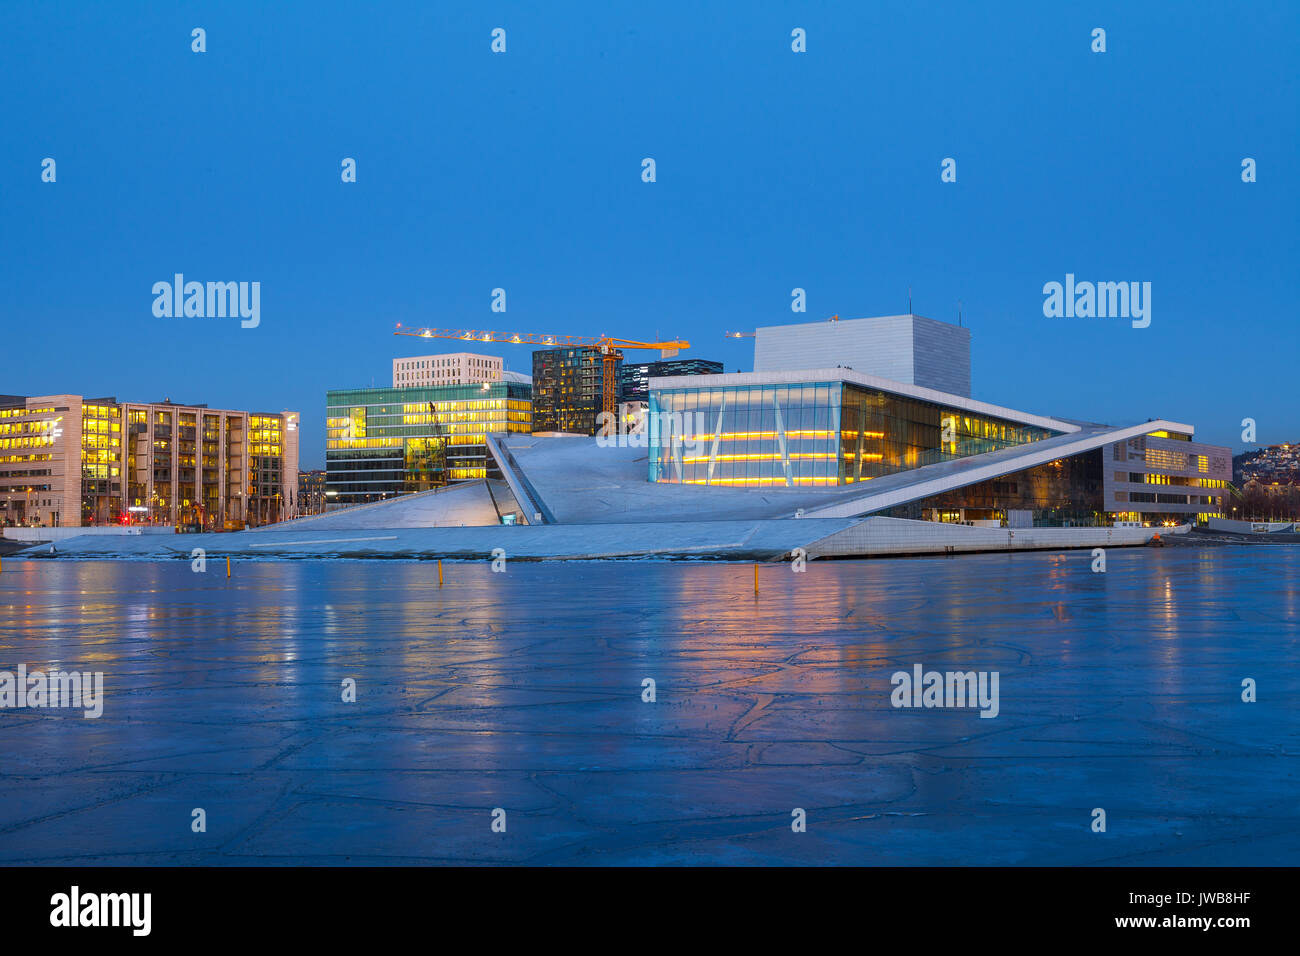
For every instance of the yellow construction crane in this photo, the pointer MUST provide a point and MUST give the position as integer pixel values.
(609, 349)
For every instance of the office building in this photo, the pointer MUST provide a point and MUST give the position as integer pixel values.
(634, 377)
(382, 442)
(453, 368)
(1165, 474)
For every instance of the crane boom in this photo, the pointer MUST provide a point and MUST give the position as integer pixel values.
(609, 348)
(536, 338)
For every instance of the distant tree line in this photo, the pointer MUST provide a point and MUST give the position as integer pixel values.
(1261, 502)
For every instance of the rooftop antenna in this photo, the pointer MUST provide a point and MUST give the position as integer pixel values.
(909, 300)
(959, 313)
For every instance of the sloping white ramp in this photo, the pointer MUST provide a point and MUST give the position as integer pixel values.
(471, 504)
(920, 483)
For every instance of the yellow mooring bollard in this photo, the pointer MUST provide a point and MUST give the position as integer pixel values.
(227, 565)
(756, 580)
(440, 572)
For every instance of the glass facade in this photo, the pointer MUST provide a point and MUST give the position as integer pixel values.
(816, 433)
(265, 468)
(382, 442)
(1068, 491)
(634, 378)
(101, 451)
(28, 439)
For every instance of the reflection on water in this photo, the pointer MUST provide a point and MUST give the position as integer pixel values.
(837, 624)
(531, 679)
(858, 611)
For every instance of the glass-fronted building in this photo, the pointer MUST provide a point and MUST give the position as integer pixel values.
(382, 442)
(830, 428)
(634, 377)
(1065, 492)
(792, 434)
(1161, 478)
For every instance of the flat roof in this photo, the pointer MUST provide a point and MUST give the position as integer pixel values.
(112, 400)
(861, 318)
(432, 355)
(431, 387)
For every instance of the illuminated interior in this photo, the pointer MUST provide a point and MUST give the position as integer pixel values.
(826, 433)
(386, 441)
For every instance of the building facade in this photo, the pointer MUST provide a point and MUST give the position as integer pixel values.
(452, 368)
(910, 349)
(1064, 492)
(756, 429)
(66, 460)
(1165, 474)
(634, 377)
(382, 442)
(569, 386)
(1160, 478)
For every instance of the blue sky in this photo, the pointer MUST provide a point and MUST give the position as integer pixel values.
(775, 170)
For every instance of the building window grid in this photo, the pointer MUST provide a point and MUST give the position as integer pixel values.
(406, 446)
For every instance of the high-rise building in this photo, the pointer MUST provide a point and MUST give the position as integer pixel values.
(382, 442)
(634, 378)
(66, 460)
(569, 388)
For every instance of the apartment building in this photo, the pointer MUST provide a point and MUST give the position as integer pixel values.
(72, 461)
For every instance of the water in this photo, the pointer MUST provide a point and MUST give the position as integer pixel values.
(523, 691)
